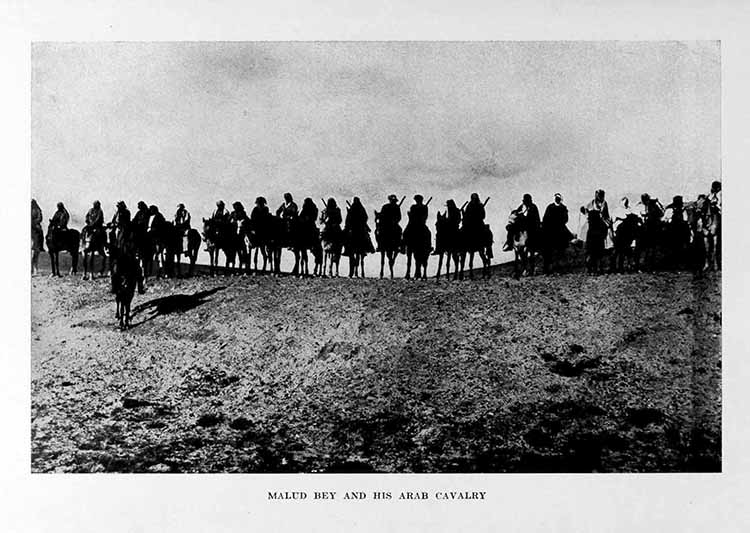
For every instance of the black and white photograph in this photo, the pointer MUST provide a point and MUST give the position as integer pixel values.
(376, 257)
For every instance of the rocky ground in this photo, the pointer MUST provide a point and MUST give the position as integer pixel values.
(572, 373)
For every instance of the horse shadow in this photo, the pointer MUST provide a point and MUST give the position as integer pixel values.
(174, 303)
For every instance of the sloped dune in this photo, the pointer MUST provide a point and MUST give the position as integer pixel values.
(569, 373)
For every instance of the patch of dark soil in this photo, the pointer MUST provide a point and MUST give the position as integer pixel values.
(209, 420)
(135, 403)
(538, 438)
(572, 370)
(240, 424)
(642, 417)
(573, 409)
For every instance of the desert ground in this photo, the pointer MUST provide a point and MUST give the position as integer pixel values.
(568, 373)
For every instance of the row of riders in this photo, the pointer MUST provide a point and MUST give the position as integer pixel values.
(635, 237)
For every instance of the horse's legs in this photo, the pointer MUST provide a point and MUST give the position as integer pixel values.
(532, 262)
(471, 265)
(484, 263)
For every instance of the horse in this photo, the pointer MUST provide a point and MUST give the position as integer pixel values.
(357, 246)
(193, 240)
(126, 273)
(476, 240)
(332, 242)
(650, 238)
(219, 237)
(525, 254)
(388, 237)
(623, 256)
(708, 227)
(37, 245)
(447, 244)
(418, 244)
(62, 240)
(93, 241)
(307, 238)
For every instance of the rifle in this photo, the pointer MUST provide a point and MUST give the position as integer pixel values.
(485, 202)
(324, 203)
(428, 202)
(402, 200)
(348, 205)
(463, 206)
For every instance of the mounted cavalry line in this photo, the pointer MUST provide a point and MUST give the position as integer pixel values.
(683, 234)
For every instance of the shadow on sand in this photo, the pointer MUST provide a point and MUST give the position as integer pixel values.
(175, 303)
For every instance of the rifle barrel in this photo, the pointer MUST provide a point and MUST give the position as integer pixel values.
(428, 201)
(485, 202)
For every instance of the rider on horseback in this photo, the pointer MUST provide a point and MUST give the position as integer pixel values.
(156, 220)
(417, 214)
(140, 220)
(182, 219)
(221, 214)
(121, 218)
(61, 218)
(653, 211)
(473, 218)
(238, 213)
(389, 218)
(288, 210)
(37, 233)
(356, 230)
(259, 212)
(714, 197)
(530, 213)
(94, 219)
(308, 218)
(331, 219)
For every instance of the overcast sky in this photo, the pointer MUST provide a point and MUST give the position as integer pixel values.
(197, 122)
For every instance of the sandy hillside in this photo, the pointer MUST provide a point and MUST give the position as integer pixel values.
(263, 374)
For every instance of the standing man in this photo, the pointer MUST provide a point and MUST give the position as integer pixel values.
(554, 229)
(182, 225)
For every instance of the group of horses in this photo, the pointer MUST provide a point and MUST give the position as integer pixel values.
(161, 247)
(245, 244)
(637, 244)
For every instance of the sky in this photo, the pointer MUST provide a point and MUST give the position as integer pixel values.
(196, 122)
